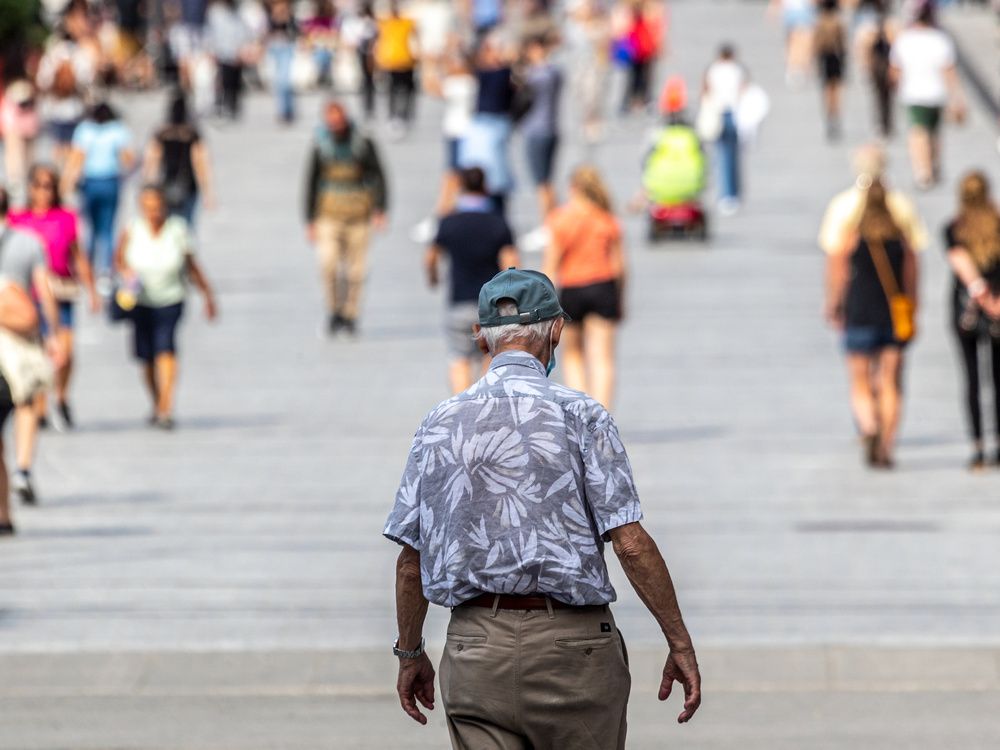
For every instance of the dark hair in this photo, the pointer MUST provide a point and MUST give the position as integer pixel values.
(368, 10)
(102, 113)
(829, 6)
(53, 173)
(727, 51)
(177, 109)
(4, 202)
(926, 13)
(473, 180)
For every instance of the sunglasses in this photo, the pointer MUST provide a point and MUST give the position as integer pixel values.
(44, 185)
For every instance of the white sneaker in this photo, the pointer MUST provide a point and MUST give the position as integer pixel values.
(424, 231)
(103, 285)
(535, 241)
(729, 206)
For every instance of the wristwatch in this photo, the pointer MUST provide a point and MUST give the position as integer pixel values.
(418, 651)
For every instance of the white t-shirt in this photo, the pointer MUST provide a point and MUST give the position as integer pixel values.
(726, 79)
(459, 94)
(159, 260)
(922, 56)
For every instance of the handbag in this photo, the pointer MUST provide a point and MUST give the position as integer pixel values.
(708, 122)
(64, 288)
(23, 361)
(522, 101)
(901, 306)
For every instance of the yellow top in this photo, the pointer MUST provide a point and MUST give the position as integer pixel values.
(393, 50)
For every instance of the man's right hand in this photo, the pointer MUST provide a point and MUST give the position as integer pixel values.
(311, 232)
(416, 683)
(682, 666)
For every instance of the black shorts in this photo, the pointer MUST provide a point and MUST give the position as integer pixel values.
(831, 67)
(601, 299)
(155, 330)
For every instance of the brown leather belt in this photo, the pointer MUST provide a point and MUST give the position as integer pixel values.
(512, 601)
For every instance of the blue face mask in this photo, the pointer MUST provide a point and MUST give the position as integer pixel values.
(552, 360)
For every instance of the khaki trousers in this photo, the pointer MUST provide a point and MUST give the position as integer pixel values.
(534, 680)
(342, 247)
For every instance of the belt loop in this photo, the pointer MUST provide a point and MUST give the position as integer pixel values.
(548, 606)
(496, 605)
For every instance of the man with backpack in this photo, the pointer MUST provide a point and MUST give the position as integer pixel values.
(345, 197)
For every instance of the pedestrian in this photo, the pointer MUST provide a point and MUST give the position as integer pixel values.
(229, 39)
(591, 41)
(845, 209)
(396, 54)
(22, 262)
(345, 198)
(18, 316)
(924, 65)
(360, 33)
(879, 54)
(69, 270)
(320, 31)
(639, 49)
(20, 125)
(101, 157)
(177, 159)
(872, 282)
(586, 259)
(831, 57)
(972, 241)
(282, 34)
(487, 140)
(798, 17)
(723, 86)
(540, 126)
(65, 72)
(510, 491)
(156, 256)
(457, 90)
(478, 243)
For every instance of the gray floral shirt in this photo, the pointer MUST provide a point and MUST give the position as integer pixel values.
(511, 488)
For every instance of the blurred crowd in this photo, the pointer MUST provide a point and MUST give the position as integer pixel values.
(546, 70)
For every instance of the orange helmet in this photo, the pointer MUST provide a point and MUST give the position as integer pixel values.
(673, 98)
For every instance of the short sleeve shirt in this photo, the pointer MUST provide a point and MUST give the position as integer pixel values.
(21, 254)
(392, 50)
(57, 229)
(472, 239)
(159, 260)
(512, 487)
(102, 145)
(586, 237)
(922, 56)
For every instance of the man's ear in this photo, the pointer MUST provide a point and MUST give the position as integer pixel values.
(480, 341)
(557, 330)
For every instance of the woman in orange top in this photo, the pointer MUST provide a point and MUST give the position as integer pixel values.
(586, 261)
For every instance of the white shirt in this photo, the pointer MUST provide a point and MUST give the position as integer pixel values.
(922, 56)
(459, 94)
(726, 79)
(159, 260)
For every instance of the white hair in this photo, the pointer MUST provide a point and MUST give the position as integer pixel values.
(529, 335)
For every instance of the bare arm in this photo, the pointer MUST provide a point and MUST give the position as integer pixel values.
(82, 269)
(50, 312)
(963, 266)
(203, 172)
(199, 279)
(127, 160)
(71, 174)
(647, 572)
(837, 277)
(151, 161)
(120, 265)
(17, 312)
(431, 259)
(551, 259)
(416, 676)
(911, 276)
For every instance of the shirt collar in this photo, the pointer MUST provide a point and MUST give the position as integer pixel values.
(517, 359)
(473, 203)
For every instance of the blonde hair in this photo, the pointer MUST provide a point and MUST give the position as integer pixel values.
(978, 225)
(587, 181)
(876, 223)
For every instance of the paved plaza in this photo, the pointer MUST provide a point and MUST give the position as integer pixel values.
(226, 586)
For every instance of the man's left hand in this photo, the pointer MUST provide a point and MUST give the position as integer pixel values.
(379, 221)
(416, 683)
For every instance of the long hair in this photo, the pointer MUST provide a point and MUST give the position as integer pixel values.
(587, 180)
(978, 225)
(53, 174)
(876, 223)
(177, 109)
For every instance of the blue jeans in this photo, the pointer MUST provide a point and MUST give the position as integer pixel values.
(100, 205)
(728, 151)
(282, 54)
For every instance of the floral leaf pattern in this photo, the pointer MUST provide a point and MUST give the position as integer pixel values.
(512, 487)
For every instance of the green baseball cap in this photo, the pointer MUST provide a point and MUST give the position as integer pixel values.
(531, 291)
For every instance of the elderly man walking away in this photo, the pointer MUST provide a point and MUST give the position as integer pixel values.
(345, 198)
(510, 492)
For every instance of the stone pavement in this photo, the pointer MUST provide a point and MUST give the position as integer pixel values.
(254, 528)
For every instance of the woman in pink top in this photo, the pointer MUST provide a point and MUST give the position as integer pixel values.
(68, 265)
